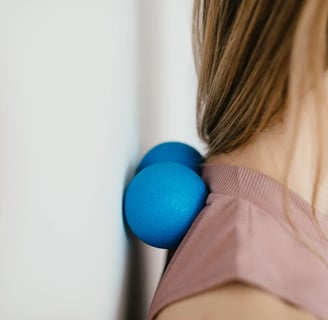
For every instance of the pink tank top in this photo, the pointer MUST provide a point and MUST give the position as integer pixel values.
(243, 234)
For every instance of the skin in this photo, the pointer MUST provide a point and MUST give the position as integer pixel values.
(267, 154)
(234, 301)
(269, 151)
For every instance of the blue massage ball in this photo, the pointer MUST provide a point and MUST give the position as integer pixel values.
(162, 201)
(174, 152)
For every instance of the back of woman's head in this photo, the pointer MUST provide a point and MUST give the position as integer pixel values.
(254, 59)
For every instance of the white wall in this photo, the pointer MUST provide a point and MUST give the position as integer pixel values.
(86, 87)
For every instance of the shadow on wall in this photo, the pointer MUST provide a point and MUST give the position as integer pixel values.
(136, 302)
(151, 61)
(140, 285)
(133, 295)
(135, 306)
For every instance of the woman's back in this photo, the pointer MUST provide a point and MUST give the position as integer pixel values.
(242, 235)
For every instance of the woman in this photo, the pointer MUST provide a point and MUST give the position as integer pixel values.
(258, 250)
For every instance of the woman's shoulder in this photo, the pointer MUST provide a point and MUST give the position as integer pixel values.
(235, 239)
(233, 301)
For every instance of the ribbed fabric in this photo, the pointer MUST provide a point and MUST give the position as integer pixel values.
(243, 234)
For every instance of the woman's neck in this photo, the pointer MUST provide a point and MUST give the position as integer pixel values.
(269, 152)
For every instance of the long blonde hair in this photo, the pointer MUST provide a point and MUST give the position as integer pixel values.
(255, 59)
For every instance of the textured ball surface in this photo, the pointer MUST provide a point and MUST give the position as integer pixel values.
(162, 201)
(174, 152)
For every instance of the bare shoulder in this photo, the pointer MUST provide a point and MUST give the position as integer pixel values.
(233, 301)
